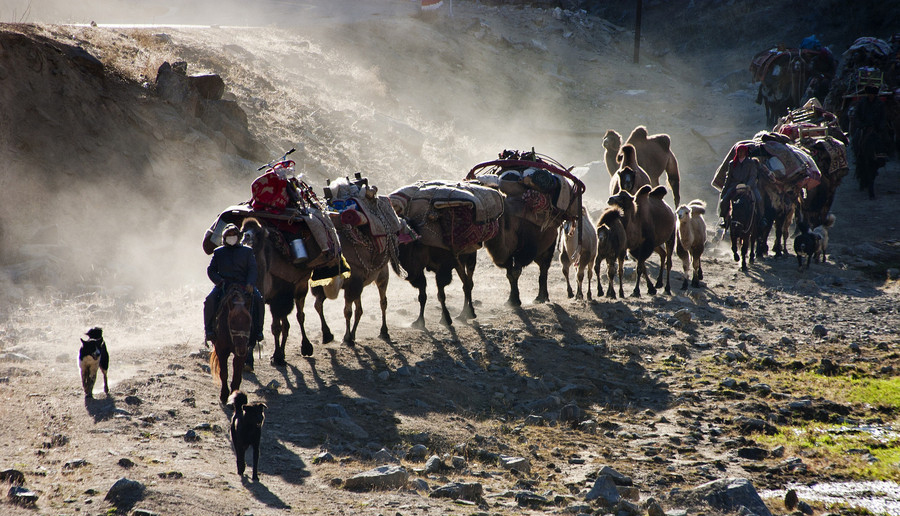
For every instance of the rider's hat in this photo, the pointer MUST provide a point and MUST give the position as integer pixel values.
(231, 229)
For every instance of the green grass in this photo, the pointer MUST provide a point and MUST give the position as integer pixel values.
(839, 450)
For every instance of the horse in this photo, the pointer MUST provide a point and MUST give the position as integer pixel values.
(233, 323)
(649, 226)
(691, 240)
(282, 285)
(579, 249)
(744, 222)
(612, 245)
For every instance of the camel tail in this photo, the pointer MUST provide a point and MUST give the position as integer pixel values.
(214, 368)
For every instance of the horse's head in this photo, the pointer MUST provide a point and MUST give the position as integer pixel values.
(239, 320)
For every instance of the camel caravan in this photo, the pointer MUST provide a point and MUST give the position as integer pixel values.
(523, 208)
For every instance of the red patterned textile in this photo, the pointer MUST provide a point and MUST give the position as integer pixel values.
(460, 230)
(269, 193)
(536, 201)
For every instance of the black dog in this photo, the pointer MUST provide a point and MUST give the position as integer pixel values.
(246, 429)
(93, 356)
(812, 243)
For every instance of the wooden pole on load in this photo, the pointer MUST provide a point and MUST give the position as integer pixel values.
(637, 31)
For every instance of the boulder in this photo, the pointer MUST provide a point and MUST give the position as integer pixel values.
(727, 494)
(383, 477)
(209, 86)
(459, 491)
(125, 491)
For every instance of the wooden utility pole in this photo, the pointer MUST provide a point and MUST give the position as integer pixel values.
(637, 31)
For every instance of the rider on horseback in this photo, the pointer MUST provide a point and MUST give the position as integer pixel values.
(742, 170)
(232, 263)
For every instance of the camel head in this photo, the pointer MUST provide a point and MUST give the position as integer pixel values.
(627, 178)
(624, 201)
(683, 212)
(612, 141)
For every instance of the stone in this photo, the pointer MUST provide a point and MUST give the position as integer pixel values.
(529, 499)
(384, 456)
(126, 463)
(191, 436)
(752, 453)
(459, 491)
(19, 495)
(77, 463)
(458, 462)
(893, 273)
(323, 457)
(727, 494)
(133, 400)
(684, 316)
(434, 464)
(382, 477)
(790, 499)
(125, 491)
(335, 410)
(804, 508)
(517, 463)
(13, 477)
(209, 86)
(654, 509)
(819, 330)
(618, 478)
(604, 490)
(417, 452)
(144, 512)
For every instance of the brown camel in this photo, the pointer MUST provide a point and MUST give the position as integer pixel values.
(649, 226)
(579, 249)
(654, 153)
(630, 176)
(612, 245)
(691, 240)
(368, 257)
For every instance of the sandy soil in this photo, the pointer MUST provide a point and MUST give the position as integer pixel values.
(407, 97)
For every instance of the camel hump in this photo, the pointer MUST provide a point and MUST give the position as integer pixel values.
(697, 207)
(610, 216)
(663, 140)
(645, 190)
(639, 133)
(659, 192)
(250, 223)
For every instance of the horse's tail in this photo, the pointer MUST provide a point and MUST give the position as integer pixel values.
(214, 368)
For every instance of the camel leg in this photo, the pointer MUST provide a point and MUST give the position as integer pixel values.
(319, 304)
(352, 295)
(382, 283)
(590, 276)
(637, 284)
(306, 347)
(465, 269)
(651, 288)
(580, 278)
(597, 263)
(280, 329)
(611, 275)
(420, 283)
(662, 266)
(698, 271)
(670, 248)
(512, 274)
(543, 262)
(443, 277)
(564, 260)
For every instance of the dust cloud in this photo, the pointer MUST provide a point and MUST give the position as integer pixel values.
(370, 87)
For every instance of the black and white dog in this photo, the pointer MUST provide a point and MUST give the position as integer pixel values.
(246, 429)
(93, 356)
(812, 243)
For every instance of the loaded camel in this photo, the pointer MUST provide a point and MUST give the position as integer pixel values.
(368, 236)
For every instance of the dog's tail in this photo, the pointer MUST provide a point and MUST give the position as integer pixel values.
(829, 220)
(238, 399)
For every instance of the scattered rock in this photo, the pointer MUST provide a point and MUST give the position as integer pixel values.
(604, 490)
(125, 491)
(417, 452)
(323, 457)
(819, 330)
(383, 477)
(384, 456)
(12, 476)
(144, 512)
(727, 494)
(517, 463)
(126, 463)
(19, 495)
(191, 436)
(459, 491)
(434, 464)
(77, 463)
(790, 499)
